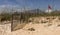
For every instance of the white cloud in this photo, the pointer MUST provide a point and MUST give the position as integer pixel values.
(9, 7)
(2, 6)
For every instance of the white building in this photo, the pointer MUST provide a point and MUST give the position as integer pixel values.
(48, 11)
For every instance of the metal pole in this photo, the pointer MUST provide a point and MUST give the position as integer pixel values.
(12, 23)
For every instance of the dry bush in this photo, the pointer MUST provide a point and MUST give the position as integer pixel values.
(58, 25)
(44, 21)
(31, 29)
(59, 18)
(53, 18)
(47, 18)
(49, 24)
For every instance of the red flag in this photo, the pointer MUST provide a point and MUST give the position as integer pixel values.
(49, 7)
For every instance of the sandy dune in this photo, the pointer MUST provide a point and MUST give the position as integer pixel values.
(40, 28)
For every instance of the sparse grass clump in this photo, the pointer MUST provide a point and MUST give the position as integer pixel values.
(31, 29)
(59, 18)
(53, 18)
(47, 18)
(44, 21)
(49, 24)
(58, 25)
(5, 17)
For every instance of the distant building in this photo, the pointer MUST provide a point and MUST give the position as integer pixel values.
(49, 9)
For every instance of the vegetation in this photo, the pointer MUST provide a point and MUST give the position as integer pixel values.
(24, 16)
(49, 24)
(31, 29)
(58, 25)
(5, 17)
(44, 21)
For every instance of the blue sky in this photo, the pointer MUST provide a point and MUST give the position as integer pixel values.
(31, 4)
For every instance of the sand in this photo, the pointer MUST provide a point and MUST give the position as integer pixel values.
(40, 29)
